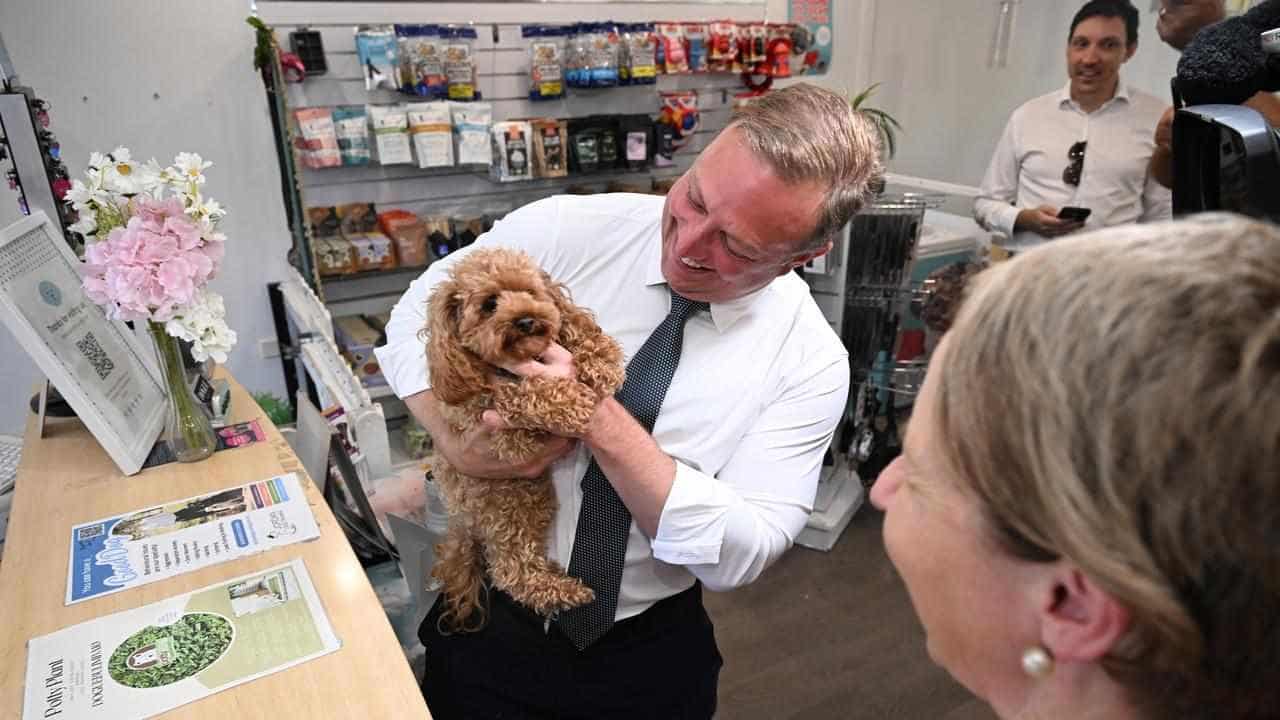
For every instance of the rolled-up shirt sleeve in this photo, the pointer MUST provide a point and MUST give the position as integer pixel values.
(995, 208)
(728, 528)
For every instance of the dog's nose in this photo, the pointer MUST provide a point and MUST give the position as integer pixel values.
(525, 325)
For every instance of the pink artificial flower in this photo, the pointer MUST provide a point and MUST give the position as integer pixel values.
(154, 266)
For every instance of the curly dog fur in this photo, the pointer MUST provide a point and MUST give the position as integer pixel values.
(498, 307)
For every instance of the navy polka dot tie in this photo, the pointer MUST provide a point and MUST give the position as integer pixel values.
(604, 523)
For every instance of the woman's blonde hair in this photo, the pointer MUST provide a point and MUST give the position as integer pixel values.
(811, 134)
(1114, 399)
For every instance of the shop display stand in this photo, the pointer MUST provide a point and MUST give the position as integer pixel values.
(308, 355)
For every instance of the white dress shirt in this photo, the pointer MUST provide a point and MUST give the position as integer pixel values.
(1026, 170)
(761, 383)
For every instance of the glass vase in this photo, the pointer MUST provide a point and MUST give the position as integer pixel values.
(187, 429)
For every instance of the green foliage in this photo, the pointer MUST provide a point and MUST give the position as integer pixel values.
(198, 639)
(279, 411)
(265, 43)
(885, 123)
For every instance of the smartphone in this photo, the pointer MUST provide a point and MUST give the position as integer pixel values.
(1074, 213)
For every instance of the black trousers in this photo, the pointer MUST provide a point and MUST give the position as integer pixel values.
(662, 663)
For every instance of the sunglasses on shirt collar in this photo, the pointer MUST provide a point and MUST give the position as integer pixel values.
(1071, 174)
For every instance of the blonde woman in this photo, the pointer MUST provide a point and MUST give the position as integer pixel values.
(1087, 511)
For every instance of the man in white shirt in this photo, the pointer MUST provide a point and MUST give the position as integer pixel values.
(727, 478)
(1087, 145)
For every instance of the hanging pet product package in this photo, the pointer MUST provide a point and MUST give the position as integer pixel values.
(376, 50)
(459, 62)
(549, 146)
(352, 129)
(422, 70)
(546, 62)
(391, 134)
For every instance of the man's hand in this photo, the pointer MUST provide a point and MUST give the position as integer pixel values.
(555, 364)
(1044, 221)
(471, 452)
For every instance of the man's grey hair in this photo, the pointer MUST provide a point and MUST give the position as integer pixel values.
(810, 134)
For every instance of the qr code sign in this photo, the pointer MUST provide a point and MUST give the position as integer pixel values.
(93, 352)
(89, 532)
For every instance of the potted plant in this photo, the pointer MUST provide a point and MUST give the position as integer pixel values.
(887, 126)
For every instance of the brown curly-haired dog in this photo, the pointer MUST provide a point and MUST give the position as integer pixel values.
(498, 307)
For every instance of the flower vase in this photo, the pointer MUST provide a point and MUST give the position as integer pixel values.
(187, 429)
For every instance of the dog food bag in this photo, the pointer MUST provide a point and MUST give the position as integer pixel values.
(357, 218)
(432, 132)
(318, 141)
(352, 128)
(409, 235)
(377, 52)
(391, 134)
(422, 61)
(510, 143)
(471, 132)
(639, 64)
(549, 147)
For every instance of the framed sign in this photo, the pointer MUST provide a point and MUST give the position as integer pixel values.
(99, 365)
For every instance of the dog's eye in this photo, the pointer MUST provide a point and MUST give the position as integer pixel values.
(490, 304)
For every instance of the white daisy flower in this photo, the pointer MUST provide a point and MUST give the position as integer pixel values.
(191, 166)
(97, 160)
(86, 225)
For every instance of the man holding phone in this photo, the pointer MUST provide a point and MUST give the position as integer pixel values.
(1078, 157)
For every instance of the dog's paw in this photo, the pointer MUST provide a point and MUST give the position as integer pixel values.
(560, 593)
(554, 405)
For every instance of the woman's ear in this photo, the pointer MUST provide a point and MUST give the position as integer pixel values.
(1080, 620)
(455, 374)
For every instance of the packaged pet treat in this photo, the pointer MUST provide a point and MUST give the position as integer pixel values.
(352, 128)
(636, 132)
(510, 143)
(355, 218)
(546, 74)
(439, 229)
(753, 40)
(671, 42)
(432, 132)
(376, 50)
(695, 43)
(373, 251)
(459, 63)
(602, 56)
(390, 134)
(422, 61)
(409, 235)
(471, 132)
(318, 144)
(584, 148)
(576, 68)
(550, 140)
(334, 256)
(639, 66)
(722, 47)
(324, 222)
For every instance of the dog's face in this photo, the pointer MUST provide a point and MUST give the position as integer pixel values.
(503, 308)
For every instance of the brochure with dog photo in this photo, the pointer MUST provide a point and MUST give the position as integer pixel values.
(136, 548)
(143, 662)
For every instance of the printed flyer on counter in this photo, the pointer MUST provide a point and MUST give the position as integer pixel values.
(142, 662)
(118, 553)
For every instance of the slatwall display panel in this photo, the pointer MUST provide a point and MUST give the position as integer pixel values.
(502, 77)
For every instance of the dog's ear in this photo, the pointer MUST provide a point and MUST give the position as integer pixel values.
(576, 323)
(456, 375)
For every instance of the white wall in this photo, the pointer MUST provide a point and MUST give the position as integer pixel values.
(160, 77)
(932, 60)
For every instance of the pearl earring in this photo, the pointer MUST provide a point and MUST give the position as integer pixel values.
(1037, 662)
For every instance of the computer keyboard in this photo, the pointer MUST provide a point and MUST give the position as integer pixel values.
(10, 454)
